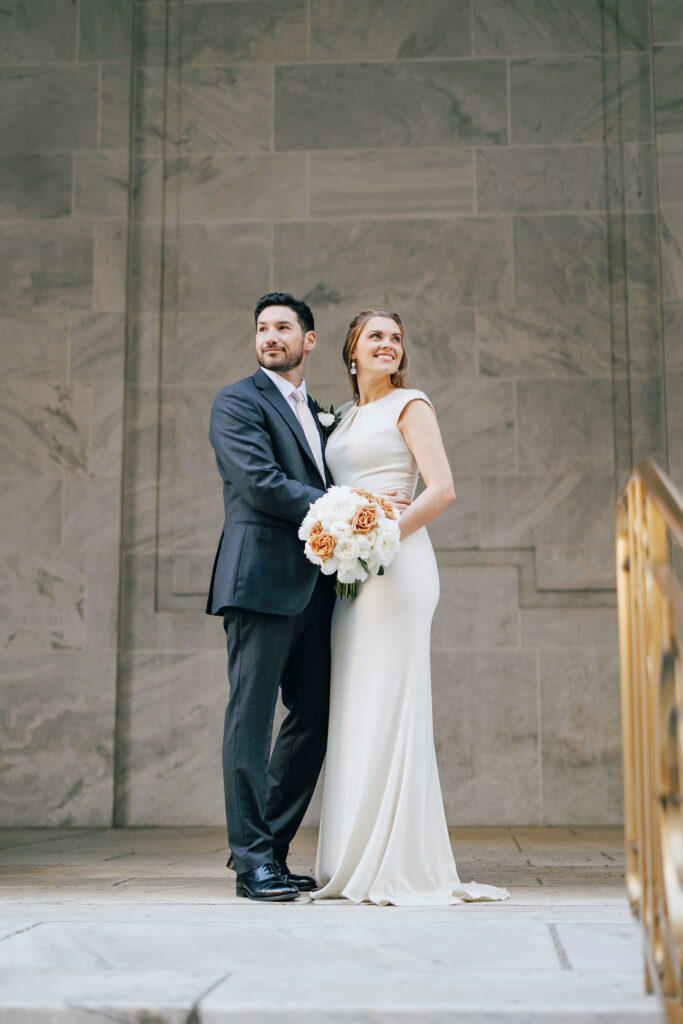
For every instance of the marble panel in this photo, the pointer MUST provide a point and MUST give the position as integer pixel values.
(114, 106)
(486, 735)
(42, 602)
(228, 33)
(583, 567)
(632, 176)
(569, 627)
(105, 29)
(57, 738)
(210, 347)
(192, 452)
(538, 28)
(561, 260)
(582, 775)
(91, 514)
(668, 73)
(142, 432)
(667, 22)
(674, 393)
(189, 572)
(174, 706)
(218, 265)
(97, 342)
(36, 32)
(176, 515)
(394, 181)
(107, 429)
(425, 266)
(477, 608)
(564, 426)
(33, 346)
(641, 330)
(351, 106)
(102, 603)
(440, 348)
(533, 179)
(670, 167)
(145, 269)
(31, 515)
(521, 511)
(110, 265)
(158, 30)
(46, 266)
(387, 30)
(561, 100)
(458, 526)
(565, 342)
(477, 425)
(44, 428)
(35, 185)
(671, 233)
(634, 264)
(47, 108)
(226, 109)
(101, 184)
(219, 187)
(673, 334)
(647, 419)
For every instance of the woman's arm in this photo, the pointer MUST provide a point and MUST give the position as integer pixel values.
(421, 431)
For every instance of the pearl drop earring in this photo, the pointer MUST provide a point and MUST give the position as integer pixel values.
(353, 367)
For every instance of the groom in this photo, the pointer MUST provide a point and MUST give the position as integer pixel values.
(276, 606)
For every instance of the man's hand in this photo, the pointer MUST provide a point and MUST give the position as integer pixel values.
(400, 504)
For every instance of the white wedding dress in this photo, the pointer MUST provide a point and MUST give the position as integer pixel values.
(383, 833)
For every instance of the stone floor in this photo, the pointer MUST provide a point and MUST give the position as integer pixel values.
(143, 925)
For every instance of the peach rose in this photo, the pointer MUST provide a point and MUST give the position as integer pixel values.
(322, 544)
(365, 519)
(387, 507)
(315, 530)
(364, 494)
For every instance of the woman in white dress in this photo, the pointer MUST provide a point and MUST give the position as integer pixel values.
(383, 833)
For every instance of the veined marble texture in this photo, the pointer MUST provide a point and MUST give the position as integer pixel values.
(30, 513)
(46, 266)
(582, 567)
(101, 184)
(477, 423)
(33, 31)
(561, 260)
(478, 607)
(668, 71)
(35, 185)
(33, 346)
(227, 33)
(42, 602)
(670, 167)
(104, 30)
(565, 426)
(44, 428)
(667, 19)
(671, 230)
(570, 341)
(97, 341)
(48, 107)
(114, 130)
(227, 187)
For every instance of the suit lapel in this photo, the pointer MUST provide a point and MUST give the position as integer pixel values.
(321, 433)
(279, 402)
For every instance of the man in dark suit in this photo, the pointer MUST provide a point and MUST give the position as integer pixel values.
(276, 605)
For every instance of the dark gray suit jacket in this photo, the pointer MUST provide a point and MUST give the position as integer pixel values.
(269, 479)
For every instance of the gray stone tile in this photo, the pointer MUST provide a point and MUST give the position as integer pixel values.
(582, 777)
(438, 348)
(47, 266)
(192, 452)
(477, 425)
(107, 429)
(564, 426)
(602, 947)
(97, 342)
(36, 32)
(561, 260)
(206, 251)
(458, 526)
(667, 22)
(47, 108)
(542, 28)
(227, 33)
(561, 100)
(389, 30)
(174, 704)
(33, 346)
(110, 265)
(58, 743)
(668, 73)
(350, 106)
(102, 603)
(115, 106)
(673, 333)
(190, 517)
(564, 342)
(145, 269)
(632, 176)
(670, 167)
(229, 187)
(101, 187)
(671, 229)
(674, 392)
(469, 262)
(31, 515)
(158, 30)
(477, 608)
(582, 567)
(637, 343)
(540, 179)
(149, 193)
(399, 181)
(142, 425)
(91, 514)
(569, 627)
(647, 423)
(521, 511)
(35, 185)
(42, 602)
(213, 348)
(227, 109)
(105, 29)
(634, 259)
(486, 735)
(44, 428)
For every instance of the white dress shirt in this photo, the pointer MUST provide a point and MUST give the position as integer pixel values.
(286, 389)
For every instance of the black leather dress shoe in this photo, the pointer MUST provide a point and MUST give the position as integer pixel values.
(304, 883)
(265, 883)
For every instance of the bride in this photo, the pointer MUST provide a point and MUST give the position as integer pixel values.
(383, 834)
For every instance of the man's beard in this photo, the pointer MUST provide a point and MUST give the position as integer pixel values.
(289, 361)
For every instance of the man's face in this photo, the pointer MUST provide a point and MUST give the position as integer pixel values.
(281, 345)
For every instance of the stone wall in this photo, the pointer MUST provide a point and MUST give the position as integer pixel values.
(501, 172)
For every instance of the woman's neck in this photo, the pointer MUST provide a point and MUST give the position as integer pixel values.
(371, 390)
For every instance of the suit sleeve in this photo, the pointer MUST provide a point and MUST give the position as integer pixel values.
(245, 457)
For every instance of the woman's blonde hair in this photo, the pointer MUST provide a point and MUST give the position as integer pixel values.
(398, 378)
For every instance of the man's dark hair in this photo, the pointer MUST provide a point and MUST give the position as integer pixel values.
(303, 312)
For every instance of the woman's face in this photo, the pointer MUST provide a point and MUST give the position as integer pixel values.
(378, 349)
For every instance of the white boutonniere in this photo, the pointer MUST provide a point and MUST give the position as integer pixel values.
(327, 418)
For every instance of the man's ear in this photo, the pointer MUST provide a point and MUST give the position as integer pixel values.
(309, 341)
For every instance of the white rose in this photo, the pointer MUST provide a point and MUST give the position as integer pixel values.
(339, 528)
(346, 550)
(326, 418)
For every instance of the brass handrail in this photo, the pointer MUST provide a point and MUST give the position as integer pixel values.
(650, 607)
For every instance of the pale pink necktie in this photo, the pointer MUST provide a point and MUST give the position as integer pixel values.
(309, 428)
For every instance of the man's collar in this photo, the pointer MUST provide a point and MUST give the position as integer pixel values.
(284, 386)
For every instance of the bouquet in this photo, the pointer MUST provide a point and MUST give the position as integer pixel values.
(351, 532)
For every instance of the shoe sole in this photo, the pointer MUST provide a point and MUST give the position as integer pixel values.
(276, 898)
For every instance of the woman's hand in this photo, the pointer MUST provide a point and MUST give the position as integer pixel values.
(400, 504)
